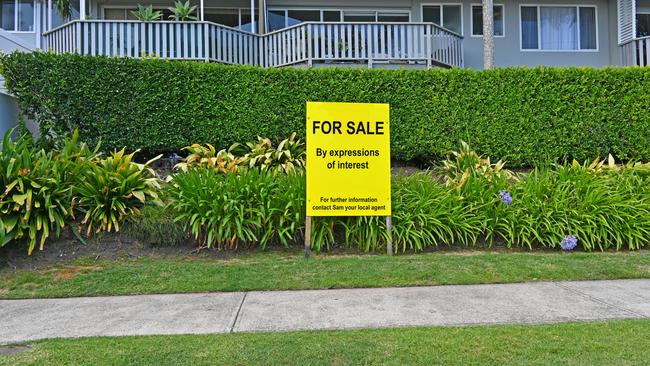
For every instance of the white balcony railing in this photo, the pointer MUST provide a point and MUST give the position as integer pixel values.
(636, 52)
(304, 43)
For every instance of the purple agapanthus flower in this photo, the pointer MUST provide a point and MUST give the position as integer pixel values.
(505, 197)
(569, 242)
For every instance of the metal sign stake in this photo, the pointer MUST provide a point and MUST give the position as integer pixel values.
(307, 236)
(389, 229)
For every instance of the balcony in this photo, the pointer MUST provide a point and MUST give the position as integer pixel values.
(311, 43)
(636, 52)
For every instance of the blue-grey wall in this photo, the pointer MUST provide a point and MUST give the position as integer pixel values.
(8, 113)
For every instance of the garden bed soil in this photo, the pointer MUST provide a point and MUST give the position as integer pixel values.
(68, 247)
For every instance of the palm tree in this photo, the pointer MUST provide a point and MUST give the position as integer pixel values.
(488, 34)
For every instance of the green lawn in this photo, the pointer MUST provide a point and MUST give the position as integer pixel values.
(288, 270)
(603, 343)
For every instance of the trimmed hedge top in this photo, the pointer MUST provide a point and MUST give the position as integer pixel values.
(525, 116)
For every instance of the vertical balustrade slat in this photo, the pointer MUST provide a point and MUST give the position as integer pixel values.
(375, 40)
(329, 41)
(383, 46)
(290, 44)
(113, 39)
(364, 45)
(218, 43)
(274, 54)
(199, 41)
(77, 30)
(280, 48)
(309, 44)
(129, 34)
(206, 41)
(336, 42)
(248, 59)
(228, 46)
(214, 52)
(412, 43)
(164, 39)
(296, 45)
(192, 42)
(177, 39)
(136, 40)
(346, 31)
(297, 42)
(155, 47)
(321, 46)
(93, 38)
(240, 45)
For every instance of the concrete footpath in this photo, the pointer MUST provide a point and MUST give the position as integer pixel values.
(541, 302)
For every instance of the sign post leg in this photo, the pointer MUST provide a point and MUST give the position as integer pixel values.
(307, 236)
(389, 229)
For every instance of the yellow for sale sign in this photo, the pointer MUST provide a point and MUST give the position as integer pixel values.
(348, 159)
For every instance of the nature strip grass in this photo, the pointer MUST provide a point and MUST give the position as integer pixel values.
(600, 343)
(287, 270)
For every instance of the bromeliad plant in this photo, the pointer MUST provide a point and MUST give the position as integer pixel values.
(207, 157)
(114, 189)
(36, 199)
(465, 164)
(182, 11)
(289, 156)
(146, 13)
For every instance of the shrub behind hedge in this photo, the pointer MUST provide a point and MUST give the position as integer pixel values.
(525, 116)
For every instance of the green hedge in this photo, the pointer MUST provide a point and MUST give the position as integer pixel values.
(526, 116)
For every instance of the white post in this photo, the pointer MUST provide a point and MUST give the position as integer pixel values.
(37, 24)
(253, 16)
(82, 9)
(202, 11)
(49, 15)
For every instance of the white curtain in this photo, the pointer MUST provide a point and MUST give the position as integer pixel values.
(559, 29)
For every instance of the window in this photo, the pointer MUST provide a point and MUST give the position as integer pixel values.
(17, 15)
(477, 20)
(299, 16)
(448, 16)
(642, 24)
(282, 18)
(376, 16)
(558, 28)
(359, 16)
(393, 17)
(119, 14)
(228, 17)
(239, 18)
(126, 13)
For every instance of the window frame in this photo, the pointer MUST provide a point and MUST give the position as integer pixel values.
(16, 23)
(539, 24)
(636, 20)
(442, 20)
(126, 8)
(240, 18)
(471, 20)
(341, 11)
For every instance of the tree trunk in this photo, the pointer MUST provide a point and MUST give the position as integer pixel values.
(488, 34)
